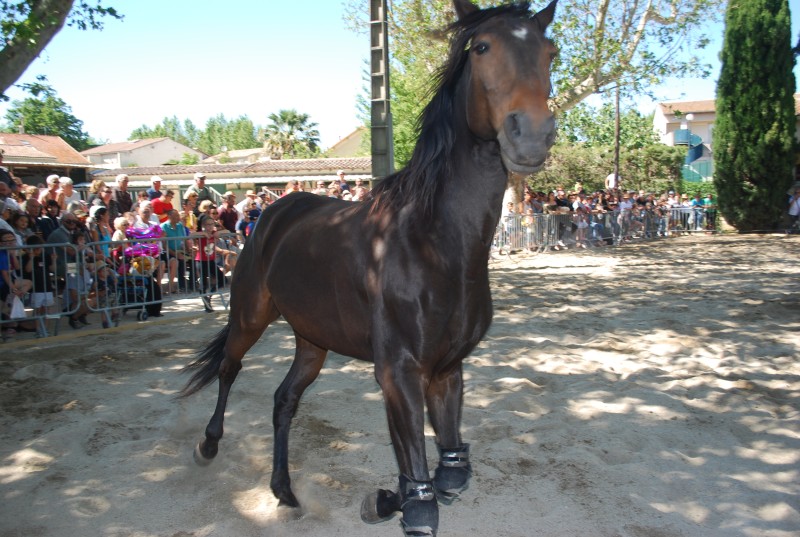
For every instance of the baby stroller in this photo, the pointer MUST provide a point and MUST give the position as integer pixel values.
(137, 287)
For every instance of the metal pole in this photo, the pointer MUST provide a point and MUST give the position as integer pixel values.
(380, 114)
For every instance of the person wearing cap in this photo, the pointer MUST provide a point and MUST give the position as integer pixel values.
(66, 193)
(121, 194)
(51, 192)
(203, 192)
(241, 207)
(343, 186)
(154, 192)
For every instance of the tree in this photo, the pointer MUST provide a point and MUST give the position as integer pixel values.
(185, 132)
(28, 26)
(754, 144)
(46, 113)
(601, 43)
(291, 135)
(595, 126)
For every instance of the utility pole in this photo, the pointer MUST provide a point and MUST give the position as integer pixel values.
(380, 113)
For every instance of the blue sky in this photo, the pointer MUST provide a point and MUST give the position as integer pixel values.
(241, 57)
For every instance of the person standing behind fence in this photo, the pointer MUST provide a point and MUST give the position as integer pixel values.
(162, 205)
(203, 192)
(154, 192)
(51, 192)
(176, 232)
(205, 258)
(40, 270)
(228, 214)
(66, 193)
(121, 194)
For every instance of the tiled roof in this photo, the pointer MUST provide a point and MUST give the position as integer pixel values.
(121, 147)
(696, 107)
(687, 107)
(38, 149)
(270, 167)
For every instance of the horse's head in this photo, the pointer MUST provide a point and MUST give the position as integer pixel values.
(509, 82)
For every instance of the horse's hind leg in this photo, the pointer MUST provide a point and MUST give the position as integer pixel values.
(247, 323)
(308, 360)
(444, 398)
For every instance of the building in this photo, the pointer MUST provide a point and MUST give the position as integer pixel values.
(270, 175)
(691, 123)
(32, 157)
(140, 153)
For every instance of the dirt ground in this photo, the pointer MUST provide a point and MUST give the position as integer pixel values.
(649, 390)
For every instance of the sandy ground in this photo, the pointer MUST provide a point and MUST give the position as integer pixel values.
(650, 390)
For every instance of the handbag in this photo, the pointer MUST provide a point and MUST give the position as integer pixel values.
(17, 309)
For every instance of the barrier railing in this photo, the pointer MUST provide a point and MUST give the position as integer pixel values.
(554, 231)
(69, 281)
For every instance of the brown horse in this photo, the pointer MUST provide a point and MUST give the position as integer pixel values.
(401, 279)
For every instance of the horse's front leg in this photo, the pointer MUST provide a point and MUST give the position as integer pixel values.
(445, 398)
(307, 364)
(404, 387)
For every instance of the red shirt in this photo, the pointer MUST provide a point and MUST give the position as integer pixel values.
(161, 208)
(205, 249)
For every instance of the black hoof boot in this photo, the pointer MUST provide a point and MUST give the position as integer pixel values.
(205, 452)
(452, 475)
(380, 506)
(420, 510)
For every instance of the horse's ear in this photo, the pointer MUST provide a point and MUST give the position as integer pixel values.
(464, 8)
(545, 16)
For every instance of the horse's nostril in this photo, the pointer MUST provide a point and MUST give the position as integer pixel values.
(513, 128)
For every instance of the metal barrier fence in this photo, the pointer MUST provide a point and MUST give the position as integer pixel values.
(58, 282)
(554, 231)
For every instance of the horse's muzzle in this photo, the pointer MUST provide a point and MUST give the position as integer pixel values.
(524, 145)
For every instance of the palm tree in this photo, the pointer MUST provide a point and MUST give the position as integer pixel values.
(291, 134)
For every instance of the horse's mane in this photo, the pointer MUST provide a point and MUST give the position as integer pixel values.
(418, 183)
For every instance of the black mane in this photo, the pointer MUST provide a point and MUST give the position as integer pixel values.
(430, 164)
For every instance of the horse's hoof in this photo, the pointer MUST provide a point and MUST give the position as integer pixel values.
(420, 508)
(380, 506)
(199, 458)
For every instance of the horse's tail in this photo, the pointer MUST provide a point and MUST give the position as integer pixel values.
(206, 364)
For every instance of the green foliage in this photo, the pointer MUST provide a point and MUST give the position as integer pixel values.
(27, 26)
(291, 134)
(220, 132)
(754, 144)
(595, 126)
(184, 133)
(46, 113)
(601, 44)
(655, 168)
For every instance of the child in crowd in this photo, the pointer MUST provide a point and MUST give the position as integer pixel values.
(40, 270)
(79, 278)
(206, 250)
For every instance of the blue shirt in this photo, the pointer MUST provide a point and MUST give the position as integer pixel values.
(173, 233)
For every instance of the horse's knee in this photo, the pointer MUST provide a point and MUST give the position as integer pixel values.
(452, 475)
(419, 507)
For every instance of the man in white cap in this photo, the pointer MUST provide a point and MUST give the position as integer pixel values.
(121, 194)
(154, 192)
(203, 192)
(51, 192)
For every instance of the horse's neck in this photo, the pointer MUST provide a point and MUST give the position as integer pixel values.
(472, 199)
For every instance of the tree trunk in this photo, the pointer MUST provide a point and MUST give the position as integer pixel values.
(48, 17)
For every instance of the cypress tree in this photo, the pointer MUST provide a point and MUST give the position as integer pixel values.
(754, 143)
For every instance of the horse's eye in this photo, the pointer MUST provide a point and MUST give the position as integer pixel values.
(481, 48)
